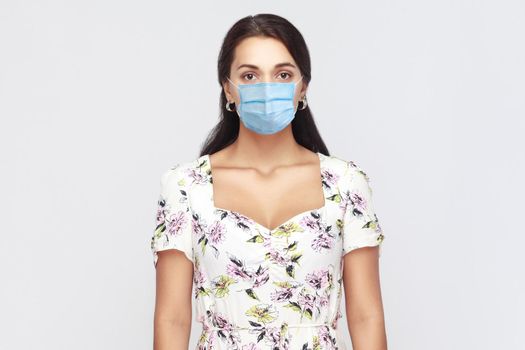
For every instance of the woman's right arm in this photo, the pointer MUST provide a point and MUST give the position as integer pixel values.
(173, 301)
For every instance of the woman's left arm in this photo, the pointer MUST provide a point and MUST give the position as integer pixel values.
(363, 301)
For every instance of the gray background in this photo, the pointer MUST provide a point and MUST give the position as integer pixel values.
(97, 98)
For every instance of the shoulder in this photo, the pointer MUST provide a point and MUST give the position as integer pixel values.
(344, 167)
(348, 171)
(180, 174)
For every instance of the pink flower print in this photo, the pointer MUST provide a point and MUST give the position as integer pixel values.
(284, 294)
(222, 322)
(227, 330)
(336, 318)
(199, 280)
(240, 220)
(285, 291)
(176, 222)
(199, 277)
(328, 178)
(327, 339)
(161, 212)
(196, 176)
(318, 279)
(312, 224)
(305, 300)
(358, 202)
(273, 335)
(237, 269)
(322, 300)
(261, 276)
(278, 337)
(216, 232)
(277, 257)
(251, 346)
(197, 227)
(322, 241)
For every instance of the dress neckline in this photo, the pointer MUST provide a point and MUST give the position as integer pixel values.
(321, 157)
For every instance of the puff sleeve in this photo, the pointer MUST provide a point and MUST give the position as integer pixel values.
(173, 228)
(361, 227)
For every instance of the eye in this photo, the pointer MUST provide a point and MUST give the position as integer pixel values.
(285, 73)
(248, 74)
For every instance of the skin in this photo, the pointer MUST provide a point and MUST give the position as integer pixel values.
(265, 169)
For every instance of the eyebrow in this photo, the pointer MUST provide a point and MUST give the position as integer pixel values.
(278, 65)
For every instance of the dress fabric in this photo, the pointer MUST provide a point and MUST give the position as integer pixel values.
(257, 288)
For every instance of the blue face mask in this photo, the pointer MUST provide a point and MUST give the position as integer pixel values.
(267, 107)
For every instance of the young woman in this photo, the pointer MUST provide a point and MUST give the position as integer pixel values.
(261, 223)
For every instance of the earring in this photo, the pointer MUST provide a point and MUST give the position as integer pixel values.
(304, 103)
(228, 108)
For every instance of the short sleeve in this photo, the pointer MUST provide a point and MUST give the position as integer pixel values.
(361, 226)
(173, 222)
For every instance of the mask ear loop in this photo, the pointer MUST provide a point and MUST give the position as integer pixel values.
(295, 86)
(232, 82)
(236, 109)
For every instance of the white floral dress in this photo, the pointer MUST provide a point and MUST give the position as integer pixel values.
(256, 288)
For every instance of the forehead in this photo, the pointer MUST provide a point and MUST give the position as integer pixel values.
(263, 52)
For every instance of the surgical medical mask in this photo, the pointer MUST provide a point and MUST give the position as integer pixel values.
(267, 107)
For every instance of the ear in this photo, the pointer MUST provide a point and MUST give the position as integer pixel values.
(304, 87)
(226, 87)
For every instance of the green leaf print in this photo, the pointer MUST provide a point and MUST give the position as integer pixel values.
(160, 229)
(252, 294)
(203, 292)
(294, 306)
(339, 224)
(292, 246)
(308, 313)
(336, 198)
(256, 239)
(204, 242)
(290, 270)
(283, 284)
(295, 257)
(373, 224)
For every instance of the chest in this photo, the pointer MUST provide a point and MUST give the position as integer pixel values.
(232, 248)
(269, 200)
(227, 240)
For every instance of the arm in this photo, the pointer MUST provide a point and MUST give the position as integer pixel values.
(172, 249)
(364, 307)
(173, 313)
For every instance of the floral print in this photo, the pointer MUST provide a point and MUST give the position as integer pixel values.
(257, 288)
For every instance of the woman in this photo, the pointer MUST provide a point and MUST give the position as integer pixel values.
(261, 223)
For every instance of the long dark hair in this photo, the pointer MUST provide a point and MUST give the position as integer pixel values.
(227, 129)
